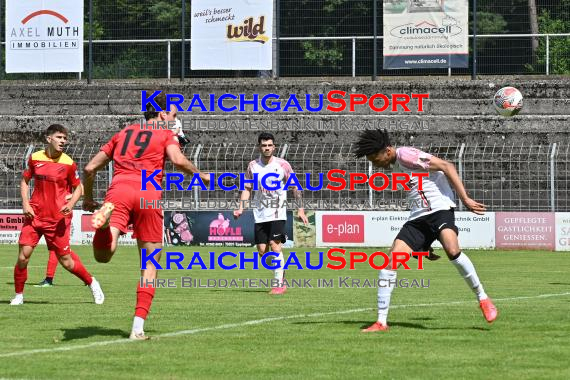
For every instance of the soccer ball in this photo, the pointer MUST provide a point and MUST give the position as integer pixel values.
(508, 101)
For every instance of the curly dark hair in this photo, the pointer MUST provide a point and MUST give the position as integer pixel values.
(372, 141)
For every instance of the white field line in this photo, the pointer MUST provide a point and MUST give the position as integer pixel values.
(25, 353)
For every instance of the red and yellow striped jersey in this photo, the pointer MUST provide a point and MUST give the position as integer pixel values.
(54, 178)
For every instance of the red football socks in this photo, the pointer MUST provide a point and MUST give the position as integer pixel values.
(52, 264)
(144, 300)
(79, 270)
(20, 277)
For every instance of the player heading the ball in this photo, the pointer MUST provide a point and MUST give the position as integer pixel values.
(425, 224)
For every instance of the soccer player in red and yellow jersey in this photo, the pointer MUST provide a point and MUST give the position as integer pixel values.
(133, 149)
(48, 213)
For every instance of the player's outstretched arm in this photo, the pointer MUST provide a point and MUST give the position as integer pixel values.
(437, 164)
(183, 164)
(89, 172)
(25, 193)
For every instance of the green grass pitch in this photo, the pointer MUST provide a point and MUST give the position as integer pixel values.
(436, 332)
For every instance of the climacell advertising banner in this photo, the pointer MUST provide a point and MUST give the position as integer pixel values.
(426, 34)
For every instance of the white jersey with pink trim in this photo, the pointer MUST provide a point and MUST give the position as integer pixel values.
(436, 193)
(263, 197)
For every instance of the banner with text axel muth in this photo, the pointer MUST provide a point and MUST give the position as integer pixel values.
(426, 34)
(231, 35)
(44, 36)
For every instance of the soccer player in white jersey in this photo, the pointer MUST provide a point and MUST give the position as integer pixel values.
(270, 221)
(435, 220)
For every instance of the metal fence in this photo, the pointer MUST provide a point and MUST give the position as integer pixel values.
(504, 177)
(145, 39)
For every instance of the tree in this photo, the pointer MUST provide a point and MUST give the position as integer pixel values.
(553, 19)
(301, 18)
(533, 18)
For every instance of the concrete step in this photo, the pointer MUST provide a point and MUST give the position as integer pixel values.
(437, 88)
(531, 129)
(452, 107)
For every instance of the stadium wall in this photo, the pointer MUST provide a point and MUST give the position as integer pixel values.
(457, 110)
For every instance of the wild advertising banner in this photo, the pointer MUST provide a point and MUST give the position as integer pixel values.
(44, 36)
(426, 34)
(231, 35)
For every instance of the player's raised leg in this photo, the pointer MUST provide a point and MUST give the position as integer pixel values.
(101, 216)
(105, 243)
(21, 273)
(386, 283)
(466, 269)
(106, 234)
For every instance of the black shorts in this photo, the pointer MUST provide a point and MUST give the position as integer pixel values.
(267, 231)
(420, 233)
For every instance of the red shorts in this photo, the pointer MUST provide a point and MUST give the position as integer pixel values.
(56, 234)
(147, 222)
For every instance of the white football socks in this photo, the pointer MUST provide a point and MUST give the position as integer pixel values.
(279, 272)
(138, 325)
(386, 283)
(467, 271)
